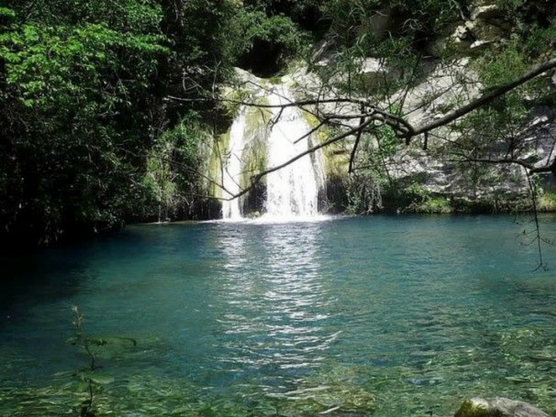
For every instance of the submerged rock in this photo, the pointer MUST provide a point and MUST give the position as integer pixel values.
(498, 407)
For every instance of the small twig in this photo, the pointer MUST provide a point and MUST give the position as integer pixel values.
(356, 145)
(538, 238)
(330, 410)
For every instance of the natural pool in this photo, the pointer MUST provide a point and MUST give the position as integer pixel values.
(385, 316)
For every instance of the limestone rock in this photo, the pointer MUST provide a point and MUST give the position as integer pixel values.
(324, 53)
(498, 407)
(456, 37)
(484, 31)
(479, 46)
(478, 3)
(486, 12)
(374, 70)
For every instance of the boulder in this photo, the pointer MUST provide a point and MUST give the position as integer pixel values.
(374, 70)
(379, 24)
(498, 407)
(484, 31)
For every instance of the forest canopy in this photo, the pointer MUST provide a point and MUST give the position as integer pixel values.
(90, 141)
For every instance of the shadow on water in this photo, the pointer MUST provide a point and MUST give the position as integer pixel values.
(45, 273)
(39, 276)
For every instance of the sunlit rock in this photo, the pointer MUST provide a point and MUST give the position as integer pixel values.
(373, 71)
(486, 12)
(480, 46)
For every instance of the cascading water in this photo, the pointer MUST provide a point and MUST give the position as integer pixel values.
(232, 168)
(291, 192)
(294, 189)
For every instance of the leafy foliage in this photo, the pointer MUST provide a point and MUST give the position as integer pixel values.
(82, 106)
(89, 139)
(75, 101)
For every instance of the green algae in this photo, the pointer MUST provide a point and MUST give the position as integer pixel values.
(335, 156)
(469, 409)
(256, 133)
(151, 395)
(215, 164)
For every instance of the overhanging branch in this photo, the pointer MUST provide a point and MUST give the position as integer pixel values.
(487, 98)
(370, 113)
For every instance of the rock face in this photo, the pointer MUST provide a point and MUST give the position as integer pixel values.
(441, 89)
(498, 407)
(485, 26)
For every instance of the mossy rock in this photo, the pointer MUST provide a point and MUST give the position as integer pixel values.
(255, 151)
(547, 202)
(219, 148)
(498, 407)
(473, 409)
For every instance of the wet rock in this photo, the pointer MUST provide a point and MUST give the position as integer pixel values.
(498, 407)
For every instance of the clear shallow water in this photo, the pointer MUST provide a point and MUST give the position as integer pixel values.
(389, 316)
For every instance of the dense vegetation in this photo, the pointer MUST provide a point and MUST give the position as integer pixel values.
(88, 137)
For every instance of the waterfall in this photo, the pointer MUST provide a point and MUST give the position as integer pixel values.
(231, 175)
(291, 192)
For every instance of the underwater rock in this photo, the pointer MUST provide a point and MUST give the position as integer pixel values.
(498, 407)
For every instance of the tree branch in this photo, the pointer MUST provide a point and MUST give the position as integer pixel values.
(370, 113)
(256, 178)
(486, 98)
(356, 145)
(531, 169)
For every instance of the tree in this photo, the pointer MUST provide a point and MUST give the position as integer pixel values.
(82, 115)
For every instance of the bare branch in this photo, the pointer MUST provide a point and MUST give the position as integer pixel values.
(356, 145)
(256, 178)
(524, 164)
(370, 113)
(487, 98)
(313, 130)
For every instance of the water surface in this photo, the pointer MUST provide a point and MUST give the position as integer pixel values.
(390, 316)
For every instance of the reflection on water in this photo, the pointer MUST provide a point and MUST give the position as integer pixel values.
(275, 314)
(384, 315)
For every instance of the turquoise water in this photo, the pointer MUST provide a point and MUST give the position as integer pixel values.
(385, 316)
